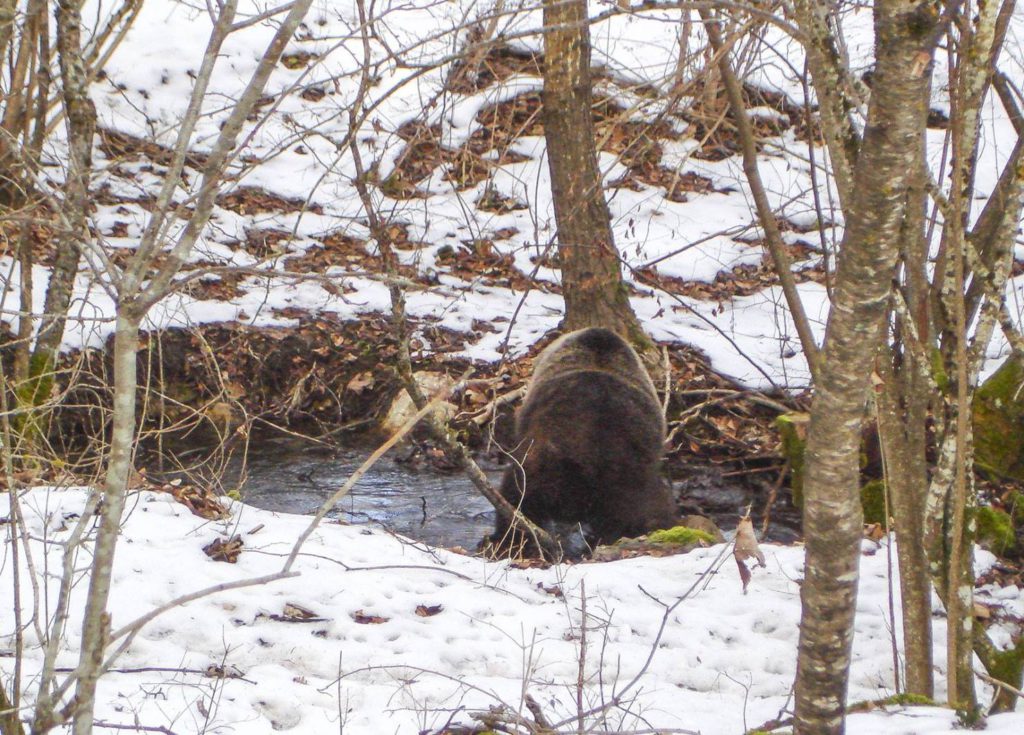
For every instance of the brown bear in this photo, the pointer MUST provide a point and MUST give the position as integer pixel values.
(589, 439)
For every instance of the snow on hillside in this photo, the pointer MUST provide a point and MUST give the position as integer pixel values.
(382, 635)
(301, 156)
(145, 91)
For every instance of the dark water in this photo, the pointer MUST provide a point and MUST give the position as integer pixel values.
(444, 508)
(421, 502)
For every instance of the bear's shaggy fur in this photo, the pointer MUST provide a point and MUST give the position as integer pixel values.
(589, 439)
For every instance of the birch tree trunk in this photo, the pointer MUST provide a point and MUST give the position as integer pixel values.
(96, 621)
(591, 278)
(970, 279)
(832, 513)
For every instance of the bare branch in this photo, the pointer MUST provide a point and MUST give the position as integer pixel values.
(783, 265)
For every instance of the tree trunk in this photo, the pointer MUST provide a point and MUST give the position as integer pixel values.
(591, 279)
(903, 410)
(903, 404)
(832, 512)
(81, 120)
(10, 723)
(96, 622)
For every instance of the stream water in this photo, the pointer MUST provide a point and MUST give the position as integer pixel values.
(444, 508)
(423, 503)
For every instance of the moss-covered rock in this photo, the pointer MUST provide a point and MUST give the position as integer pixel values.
(1008, 667)
(703, 523)
(682, 535)
(995, 530)
(872, 500)
(793, 436)
(665, 542)
(999, 422)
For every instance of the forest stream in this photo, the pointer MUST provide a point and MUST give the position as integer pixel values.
(438, 507)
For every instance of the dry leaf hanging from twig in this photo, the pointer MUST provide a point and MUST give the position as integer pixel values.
(746, 547)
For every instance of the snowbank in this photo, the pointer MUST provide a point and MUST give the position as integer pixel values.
(404, 638)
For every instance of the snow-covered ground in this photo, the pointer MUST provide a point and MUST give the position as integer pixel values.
(405, 638)
(724, 662)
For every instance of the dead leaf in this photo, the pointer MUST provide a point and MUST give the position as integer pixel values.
(360, 382)
(363, 619)
(217, 671)
(746, 547)
(200, 501)
(426, 611)
(224, 549)
(874, 531)
(293, 613)
(744, 574)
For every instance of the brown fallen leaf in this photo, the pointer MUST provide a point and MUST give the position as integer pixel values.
(218, 671)
(200, 501)
(554, 590)
(293, 613)
(360, 382)
(363, 619)
(426, 611)
(224, 549)
(744, 574)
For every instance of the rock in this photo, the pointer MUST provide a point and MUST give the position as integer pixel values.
(702, 523)
(999, 422)
(402, 408)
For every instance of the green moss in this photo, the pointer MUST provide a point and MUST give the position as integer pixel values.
(910, 700)
(872, 500)
(683, 535)
(970, 718)
(1008, 667)
(995, 529)
(896, 700)
(939, 372)
(999, 422)
(793, 435)
(1015, 502)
